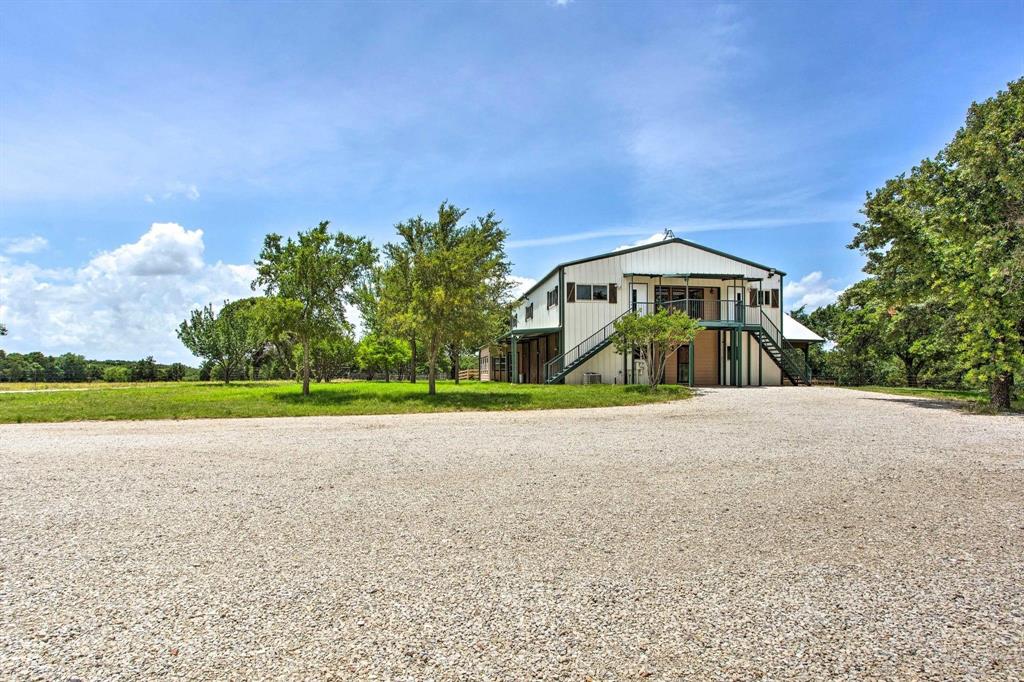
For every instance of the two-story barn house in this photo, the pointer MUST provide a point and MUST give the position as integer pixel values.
(562, 328)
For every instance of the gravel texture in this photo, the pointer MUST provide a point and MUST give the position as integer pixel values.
(758, 533)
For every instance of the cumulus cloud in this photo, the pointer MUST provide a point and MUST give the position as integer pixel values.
(20, 245)
(125, 303)
(167, 249)
(520, 285)
(812, 290)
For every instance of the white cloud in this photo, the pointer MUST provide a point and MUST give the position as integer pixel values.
(653, 239)
(812, 290)
(19, 245)
(521, 285)
(167, 249)
(181, 189)
(125, 303)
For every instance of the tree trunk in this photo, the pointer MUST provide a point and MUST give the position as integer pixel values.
(412, 361)
(912, 370)
(432, 370)
(454, 358)
(305, 368)
(1001, 390)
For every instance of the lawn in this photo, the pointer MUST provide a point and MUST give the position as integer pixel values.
(194, 400)
(977, 399)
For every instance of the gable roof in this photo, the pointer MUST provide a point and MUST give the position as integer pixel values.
(631, 249)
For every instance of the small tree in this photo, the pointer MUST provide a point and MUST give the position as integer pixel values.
(445, 281)
(380, 353)
(657, 336)
(320, 271)
(223, 338)
(329, 356)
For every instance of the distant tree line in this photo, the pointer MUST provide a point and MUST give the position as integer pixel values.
(71, 367)
(944, 300)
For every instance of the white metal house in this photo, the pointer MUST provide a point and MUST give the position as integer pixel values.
(562, 328)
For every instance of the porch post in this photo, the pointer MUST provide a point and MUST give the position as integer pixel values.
(689, 373)
(515, 361)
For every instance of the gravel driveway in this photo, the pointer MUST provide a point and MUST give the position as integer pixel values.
(780, 532)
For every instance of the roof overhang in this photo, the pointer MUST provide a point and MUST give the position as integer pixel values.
(529, 333)
(692, 275)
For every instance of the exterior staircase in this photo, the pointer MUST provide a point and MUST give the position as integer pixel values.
(555, 370)
(789, 359)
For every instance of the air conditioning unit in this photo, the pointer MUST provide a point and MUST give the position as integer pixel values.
(591, 377)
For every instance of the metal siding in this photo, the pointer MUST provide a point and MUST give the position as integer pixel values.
(607, 363)
(543, 317)
(583, 318)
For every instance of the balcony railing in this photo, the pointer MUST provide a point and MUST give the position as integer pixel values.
(700, 309)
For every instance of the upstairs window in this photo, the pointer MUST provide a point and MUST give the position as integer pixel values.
(529, 312)
(553, 298)
(600, 292)
(584, 292)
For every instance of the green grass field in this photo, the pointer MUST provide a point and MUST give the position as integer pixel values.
(975, 399)
(195, 400)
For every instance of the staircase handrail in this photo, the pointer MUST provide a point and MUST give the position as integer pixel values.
(590, 342)
(789, 353)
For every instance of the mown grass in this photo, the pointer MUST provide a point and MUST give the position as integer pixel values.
(976, 400)
(196, 400)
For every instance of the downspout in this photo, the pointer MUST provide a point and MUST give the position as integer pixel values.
(562, 298)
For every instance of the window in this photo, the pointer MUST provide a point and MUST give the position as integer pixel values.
(553, 298)
(591, 292)
(515, 321)
(529, 312)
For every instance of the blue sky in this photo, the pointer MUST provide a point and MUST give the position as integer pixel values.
(145, 149)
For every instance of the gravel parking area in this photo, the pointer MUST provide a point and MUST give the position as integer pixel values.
(758, 533)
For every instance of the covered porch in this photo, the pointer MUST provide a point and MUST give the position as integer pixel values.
(520, 355)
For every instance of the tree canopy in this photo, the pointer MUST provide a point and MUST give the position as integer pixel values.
(445, 282)
(952, 231)
(657, 336)
(321, 272)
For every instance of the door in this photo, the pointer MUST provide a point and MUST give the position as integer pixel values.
(638, 297)
(735, 305)
(683, 366)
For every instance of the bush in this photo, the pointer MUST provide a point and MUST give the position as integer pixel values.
(114, 374)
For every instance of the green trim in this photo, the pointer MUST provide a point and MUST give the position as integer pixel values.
(690, 374)
(561, 313)
(633, 249)
(749, 341)
(527, 333)
(696, 275)
(514, 375)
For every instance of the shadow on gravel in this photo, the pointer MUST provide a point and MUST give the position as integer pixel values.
(961, 406)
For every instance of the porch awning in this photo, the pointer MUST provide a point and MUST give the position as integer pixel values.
(693, 275)
(529, 333)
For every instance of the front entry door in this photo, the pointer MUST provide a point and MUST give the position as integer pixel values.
(683, 365)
